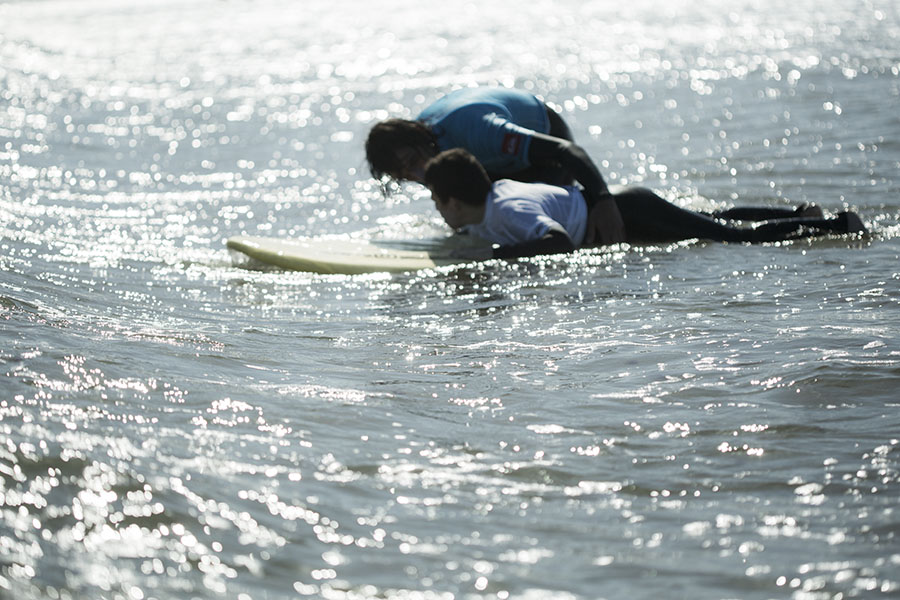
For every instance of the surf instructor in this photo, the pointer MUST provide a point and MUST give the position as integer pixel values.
(513, 134)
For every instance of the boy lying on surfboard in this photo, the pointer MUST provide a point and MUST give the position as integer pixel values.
(527, 219)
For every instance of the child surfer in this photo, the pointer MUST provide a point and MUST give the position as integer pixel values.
(527, 219)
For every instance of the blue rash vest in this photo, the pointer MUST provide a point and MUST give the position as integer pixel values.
(494, 124)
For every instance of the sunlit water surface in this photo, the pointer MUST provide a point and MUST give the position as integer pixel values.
(693, 421)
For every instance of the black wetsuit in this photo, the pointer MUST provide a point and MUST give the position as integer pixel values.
(650, 219)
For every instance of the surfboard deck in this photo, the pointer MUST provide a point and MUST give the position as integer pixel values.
(338, 256)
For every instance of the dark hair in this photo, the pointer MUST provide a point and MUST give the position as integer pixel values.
(386, 137)
(458, 174)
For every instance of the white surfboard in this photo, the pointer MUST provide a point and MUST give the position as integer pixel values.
(339, 256)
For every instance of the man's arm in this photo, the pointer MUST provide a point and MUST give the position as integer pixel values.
(605, 224)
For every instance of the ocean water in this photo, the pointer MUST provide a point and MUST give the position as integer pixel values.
(688, 421)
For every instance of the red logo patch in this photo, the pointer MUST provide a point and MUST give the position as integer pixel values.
(511, 143)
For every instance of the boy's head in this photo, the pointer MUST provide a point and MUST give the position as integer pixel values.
(459, 186)
(456, 173)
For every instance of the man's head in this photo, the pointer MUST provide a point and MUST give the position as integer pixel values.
(399, 149)
(459, 186)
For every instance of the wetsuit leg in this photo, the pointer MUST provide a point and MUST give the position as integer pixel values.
(790, 229)
(750, 213)
(649, 218)
(768, 213)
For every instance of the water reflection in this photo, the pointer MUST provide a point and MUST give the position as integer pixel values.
(174, 424)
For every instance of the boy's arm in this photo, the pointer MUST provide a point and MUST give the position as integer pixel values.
(605, 224)
(555, 241)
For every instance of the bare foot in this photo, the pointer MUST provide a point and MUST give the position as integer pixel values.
(852, 222)
(809, 211)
